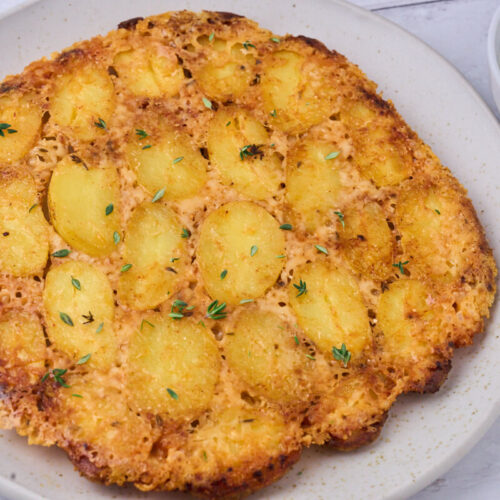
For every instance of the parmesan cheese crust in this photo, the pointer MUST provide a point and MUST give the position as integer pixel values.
(217, 247)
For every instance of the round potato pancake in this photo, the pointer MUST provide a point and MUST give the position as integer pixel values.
(220, 246)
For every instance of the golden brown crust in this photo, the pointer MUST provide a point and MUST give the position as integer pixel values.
(381, 162)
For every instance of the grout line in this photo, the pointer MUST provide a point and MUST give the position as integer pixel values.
(415, 4)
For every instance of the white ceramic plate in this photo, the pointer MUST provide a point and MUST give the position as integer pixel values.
(425, 435)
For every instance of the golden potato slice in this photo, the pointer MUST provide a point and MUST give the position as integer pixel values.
(99, 415)
(367, 242)
(20, 122)
(173, 366)
(235, 436)
(297, 91)
(239, 146)
(172, 163)
(228, 71)
(81, 99)
(150, 71)
(403, 316)
(22, 342)
(79, 310)
(77, 201)
(155, 248)
(244, 240)
(435, 227)
(258, 342)
(24, 239)
(313, 182)
(331, 310)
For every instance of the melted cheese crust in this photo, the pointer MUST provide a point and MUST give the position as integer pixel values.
(381, 201)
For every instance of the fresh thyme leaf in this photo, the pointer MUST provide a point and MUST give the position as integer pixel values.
(332, 155)
(205, 455)
(77, 395)
(296, 339)
(99, 328)
(61, 253)
(280, 256)
(32, 207)
(172, 393)
(400, 265)
(248, 44)
(273, 113)
(340, 215)
(109, 209)
(178, 308)
(186, 233)
(116, 237)
(223, 274)
(84, 359)
(177, 160)
(246, 301)
(321, 249)
(201, 323)
(66, 319)
(253, 250)
(437, 211)
(207, 103)
(175, 315)
(301, 287)
(76, 283)
(158, 195)
(142, 134)
(286, 227)
(89, 318)
(125, 268)
(6, 127)
(310, 357)
(275, 39)
(216, 310)
(173, 259)
(100, 124)
(57, 373)
(342, 354)
(146, 322)
(251, 150)
(228, 123)
(147, 146)
(44, 378)
(211, 37)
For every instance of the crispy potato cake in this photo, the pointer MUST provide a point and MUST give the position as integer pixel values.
(218, 246)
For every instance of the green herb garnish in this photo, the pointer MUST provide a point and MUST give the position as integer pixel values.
(275, 39)
(211, 37)
(145, 321)
(58, 376)
(248, 44)
(400, 265)
(437, 211)
(32, 207)
(100, 124)
(332, 155)
(216, 310)
(207, 103)
(223, 274)
(147, 146)
(301, 287)
(158, 195)
(186, 233)
(273, 113)
(109, 209)
(251, 150)
(228, 123)
(321, 249)
(253, 250)
(310, 357)
(7, 128)
(178, 308)
(84, 359)
(142, 134)
(76, 283)
(173, 259)
(125, 268)
(116, 237)
(172, 393)
(177, 160)
(342, 354)
(77, 395)
(99, 328)
(340, 215)
(280, 256)
(286, 227)
(66, 319)
(61, 253)
(296, 339)
(245, 301)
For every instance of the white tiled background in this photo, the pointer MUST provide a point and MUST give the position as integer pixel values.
(457, 29)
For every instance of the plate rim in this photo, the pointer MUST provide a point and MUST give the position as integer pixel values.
(13, 490)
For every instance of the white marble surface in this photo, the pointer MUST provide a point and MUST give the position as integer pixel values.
(457, 29)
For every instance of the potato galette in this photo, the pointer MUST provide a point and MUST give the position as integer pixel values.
(218, 246)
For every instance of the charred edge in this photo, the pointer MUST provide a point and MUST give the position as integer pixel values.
(315, 44)
(231, 486)
(130, 24)
(361, 437)
(438, 376)
(227, 17)
(376, 100)
(85, 466)
(66, 56)
(9, 85)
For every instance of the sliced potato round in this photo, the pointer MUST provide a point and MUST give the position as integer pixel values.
(331, 312)
(150, 71)
(172, 164)
(153, 239)
(244, 240)
(173, 366)
(239, 146)
(228, 71)
(77, 201)
(296, 91)
(235, 436)
(313, 182)
(403, 315)
(20, 120)
(22, 342)
(83, 97)
(367, 241)
(79, 310)
(258, 342)
(24, 238)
